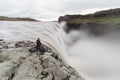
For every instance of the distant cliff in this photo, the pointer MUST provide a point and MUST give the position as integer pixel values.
(4, 18)
(99, 14)
(97, 23)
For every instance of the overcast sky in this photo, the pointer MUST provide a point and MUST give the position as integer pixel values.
(52, 9)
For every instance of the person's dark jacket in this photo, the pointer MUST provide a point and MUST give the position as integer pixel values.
(38, 43)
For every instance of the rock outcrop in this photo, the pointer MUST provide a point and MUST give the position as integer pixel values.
(20, 64)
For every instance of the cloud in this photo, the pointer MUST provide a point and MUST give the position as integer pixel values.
(52, 9)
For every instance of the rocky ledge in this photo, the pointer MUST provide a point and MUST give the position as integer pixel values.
(20, 64)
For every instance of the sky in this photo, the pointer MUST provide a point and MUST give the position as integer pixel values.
(47, 10)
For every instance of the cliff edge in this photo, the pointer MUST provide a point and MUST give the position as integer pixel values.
(20, 64)
(98, 23)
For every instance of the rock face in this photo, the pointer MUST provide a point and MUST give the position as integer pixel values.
(20, 64)
(93, 28)
(98, 23)
(103, 13)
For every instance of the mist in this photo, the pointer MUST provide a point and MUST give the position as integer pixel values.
(95, 58)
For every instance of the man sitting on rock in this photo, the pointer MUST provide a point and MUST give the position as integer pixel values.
(39, 46)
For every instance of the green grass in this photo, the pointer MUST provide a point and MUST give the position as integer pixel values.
(100, 20)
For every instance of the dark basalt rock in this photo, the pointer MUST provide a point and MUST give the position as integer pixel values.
(93, 28)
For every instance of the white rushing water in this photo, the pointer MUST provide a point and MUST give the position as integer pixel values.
(94, 58)
(49, 33)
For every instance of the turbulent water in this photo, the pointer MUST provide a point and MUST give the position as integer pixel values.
(95, 58)
(49, 33)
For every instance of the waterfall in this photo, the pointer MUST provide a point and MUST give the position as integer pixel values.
(97, 58)
(50, 34)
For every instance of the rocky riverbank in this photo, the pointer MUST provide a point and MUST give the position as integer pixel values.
(17, 63)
